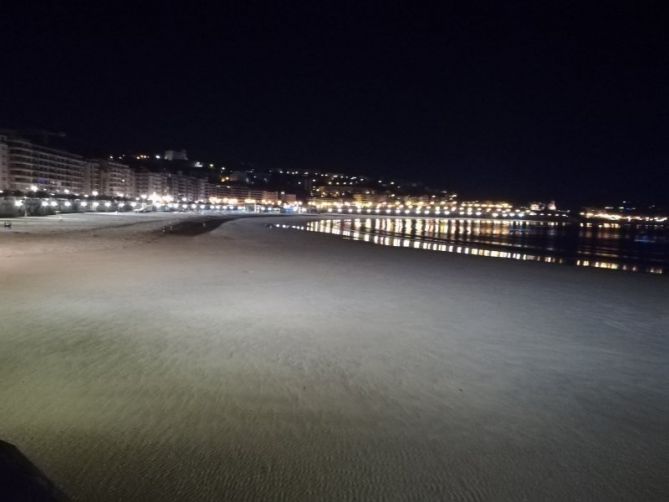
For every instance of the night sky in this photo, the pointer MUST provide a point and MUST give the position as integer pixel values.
(510, 100)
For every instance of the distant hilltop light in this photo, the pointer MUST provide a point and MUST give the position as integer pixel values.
(175, 155)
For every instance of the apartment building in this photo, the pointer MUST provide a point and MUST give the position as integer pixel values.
(242, 193)
(182, 186)
(119, 179)
(91, 178)
(31, 165)
(26, 165)
(107, 177)
(4, 164)
(149, 182)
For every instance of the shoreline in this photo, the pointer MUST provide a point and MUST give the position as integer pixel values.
(477, 249)
(77, 233)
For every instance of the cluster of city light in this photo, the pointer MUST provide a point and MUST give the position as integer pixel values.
(416, 243)
(337, 179)
(600, 225)
(434, 208)
(257, 204)
(322, 175)
(426, 237)
(609, 216)
(217, 203)
(155, 201)
(617, 266)
(437, 228)
(433, 228)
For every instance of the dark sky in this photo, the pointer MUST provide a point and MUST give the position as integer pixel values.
(525, 100)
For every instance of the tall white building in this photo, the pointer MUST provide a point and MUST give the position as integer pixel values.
(107, 177)
(30, 164)
(92, 178)
(149, 182)
(4, 163)
(242, 193)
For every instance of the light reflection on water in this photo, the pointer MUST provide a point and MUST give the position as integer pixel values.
(606, 245)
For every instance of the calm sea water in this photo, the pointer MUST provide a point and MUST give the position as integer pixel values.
(634, 248)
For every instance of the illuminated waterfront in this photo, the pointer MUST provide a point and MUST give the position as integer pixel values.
(634, 248)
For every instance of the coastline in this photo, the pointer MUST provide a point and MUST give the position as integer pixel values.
(247, 362)
(84, 232)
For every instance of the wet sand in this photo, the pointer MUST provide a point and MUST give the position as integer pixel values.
(250, 363)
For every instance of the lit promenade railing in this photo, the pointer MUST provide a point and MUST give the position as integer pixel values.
(38, 201)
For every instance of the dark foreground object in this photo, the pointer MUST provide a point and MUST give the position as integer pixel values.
(195, 227)
(21, 481)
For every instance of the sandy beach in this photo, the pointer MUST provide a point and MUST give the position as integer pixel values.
(254, 363)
